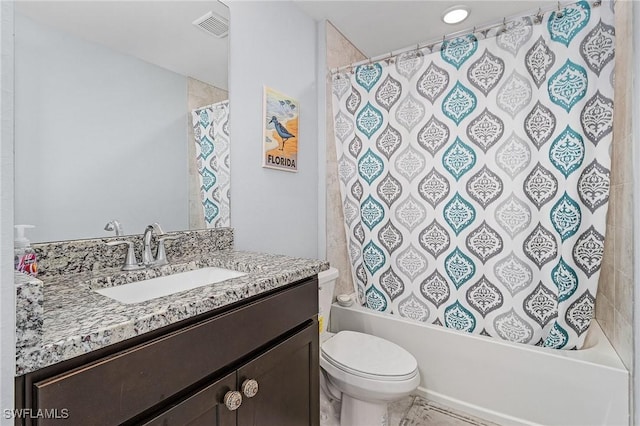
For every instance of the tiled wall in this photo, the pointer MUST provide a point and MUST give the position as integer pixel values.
(614, 300)
(199, 94)
(340, 52)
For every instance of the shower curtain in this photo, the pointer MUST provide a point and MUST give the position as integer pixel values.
(210, 128)
(475, 176)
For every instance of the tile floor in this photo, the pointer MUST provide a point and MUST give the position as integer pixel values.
(423, 412)
(409, 411)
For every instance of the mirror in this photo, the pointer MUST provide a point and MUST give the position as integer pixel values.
(104, 94)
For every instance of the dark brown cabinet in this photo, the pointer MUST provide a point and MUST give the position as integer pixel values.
(285, 391)
(181, 375)
(287, 384)
(205, 407)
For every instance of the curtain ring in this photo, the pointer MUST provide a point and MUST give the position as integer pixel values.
(503, 29)
(538, 16)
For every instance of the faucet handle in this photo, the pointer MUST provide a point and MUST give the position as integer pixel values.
(130, 262)
(161, 255)
(114, 225)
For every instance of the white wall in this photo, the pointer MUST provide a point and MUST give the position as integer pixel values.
(98, 136)
(635, 140)
(7, 289)
(272, 43)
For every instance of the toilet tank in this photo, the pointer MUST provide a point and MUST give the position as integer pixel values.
(326, 285)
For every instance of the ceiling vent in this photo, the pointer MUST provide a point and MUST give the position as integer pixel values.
(213, 24)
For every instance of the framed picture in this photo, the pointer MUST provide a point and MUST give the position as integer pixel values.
(280, 135)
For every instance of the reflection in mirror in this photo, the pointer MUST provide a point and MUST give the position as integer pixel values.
(110, 97)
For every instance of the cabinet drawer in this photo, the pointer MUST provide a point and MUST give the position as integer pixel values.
(123, 385)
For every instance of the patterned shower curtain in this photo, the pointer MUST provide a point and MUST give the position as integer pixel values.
(210, 128)
(475, 176)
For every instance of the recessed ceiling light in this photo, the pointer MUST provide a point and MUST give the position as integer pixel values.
(455, 14)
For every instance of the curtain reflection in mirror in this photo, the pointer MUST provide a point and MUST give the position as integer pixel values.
(211, 132)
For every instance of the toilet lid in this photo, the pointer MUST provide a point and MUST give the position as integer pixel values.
(369, 356)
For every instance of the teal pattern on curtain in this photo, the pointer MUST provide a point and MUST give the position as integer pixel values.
(475, 177)
(211, 132)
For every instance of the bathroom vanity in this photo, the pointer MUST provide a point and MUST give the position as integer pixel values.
(240, 352)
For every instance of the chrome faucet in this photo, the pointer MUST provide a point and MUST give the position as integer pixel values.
(147, 256)
(161, 255)
(131, 264)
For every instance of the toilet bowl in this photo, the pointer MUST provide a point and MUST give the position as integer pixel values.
(364, 371)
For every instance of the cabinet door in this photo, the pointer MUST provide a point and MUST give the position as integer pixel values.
(205, 407)
(288, 383)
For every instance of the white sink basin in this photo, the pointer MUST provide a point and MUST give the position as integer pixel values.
(141, 291)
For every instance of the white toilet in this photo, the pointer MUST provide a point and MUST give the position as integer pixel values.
(365, 372)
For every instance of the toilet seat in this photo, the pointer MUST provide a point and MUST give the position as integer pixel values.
(369, 357)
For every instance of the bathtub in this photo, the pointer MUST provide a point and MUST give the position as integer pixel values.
(510, 384)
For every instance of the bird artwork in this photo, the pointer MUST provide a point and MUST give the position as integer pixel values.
(282, 131)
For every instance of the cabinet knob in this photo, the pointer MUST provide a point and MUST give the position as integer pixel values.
(232, 400)
(249, 388)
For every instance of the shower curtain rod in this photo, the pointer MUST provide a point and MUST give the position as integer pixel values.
(215, 104)
(536, 14)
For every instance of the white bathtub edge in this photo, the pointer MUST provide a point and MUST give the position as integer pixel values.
(517, 384)
(471, 409)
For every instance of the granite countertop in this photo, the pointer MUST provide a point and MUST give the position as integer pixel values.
(76, 320)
